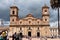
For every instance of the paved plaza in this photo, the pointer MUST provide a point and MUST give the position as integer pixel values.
(41, 39)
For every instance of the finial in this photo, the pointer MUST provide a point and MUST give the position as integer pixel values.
(45, 6)
(14, 3)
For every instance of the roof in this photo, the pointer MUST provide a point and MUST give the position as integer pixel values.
(14, 7)
(29, 15)
(4, 28)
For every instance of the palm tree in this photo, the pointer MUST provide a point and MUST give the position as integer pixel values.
(55, 4)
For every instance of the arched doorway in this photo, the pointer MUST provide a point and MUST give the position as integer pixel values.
(38, 34)
(21, 34)
(29, 34)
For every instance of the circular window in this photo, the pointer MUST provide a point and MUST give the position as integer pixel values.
(45, 10)
(45, 19)
(38, 21)
(20, 22)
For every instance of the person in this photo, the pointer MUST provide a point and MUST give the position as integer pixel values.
(1, 38)
(7, 37)
(13, 37)
(17, 37)
(20, 36)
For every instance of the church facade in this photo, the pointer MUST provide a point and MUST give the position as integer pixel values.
(29, 26)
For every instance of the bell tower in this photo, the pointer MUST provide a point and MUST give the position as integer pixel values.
(45, 21)
(45, 14)
(13, 14)
(13, 21)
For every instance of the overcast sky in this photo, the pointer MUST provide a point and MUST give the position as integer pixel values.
(25, 7)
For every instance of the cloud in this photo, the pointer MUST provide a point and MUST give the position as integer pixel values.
(4, 14)
(26, 7)
(6, 23)
(53, 15)
(4, 3)
(54, 24)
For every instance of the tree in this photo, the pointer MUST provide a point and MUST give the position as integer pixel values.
(4, 35)
(55, 4)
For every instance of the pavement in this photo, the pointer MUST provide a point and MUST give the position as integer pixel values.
(39, 39)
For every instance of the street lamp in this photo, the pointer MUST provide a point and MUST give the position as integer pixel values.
(55, 4)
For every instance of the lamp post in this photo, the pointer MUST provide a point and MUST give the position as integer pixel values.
(55, 4)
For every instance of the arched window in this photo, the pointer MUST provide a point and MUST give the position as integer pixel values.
(38, 34)
(29, 28)
(20, 28)
(12, 19)
(38, 28)
(29, 34)
(13, 12)
(29, 21)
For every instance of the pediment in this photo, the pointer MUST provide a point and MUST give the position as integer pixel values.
(29, 16)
